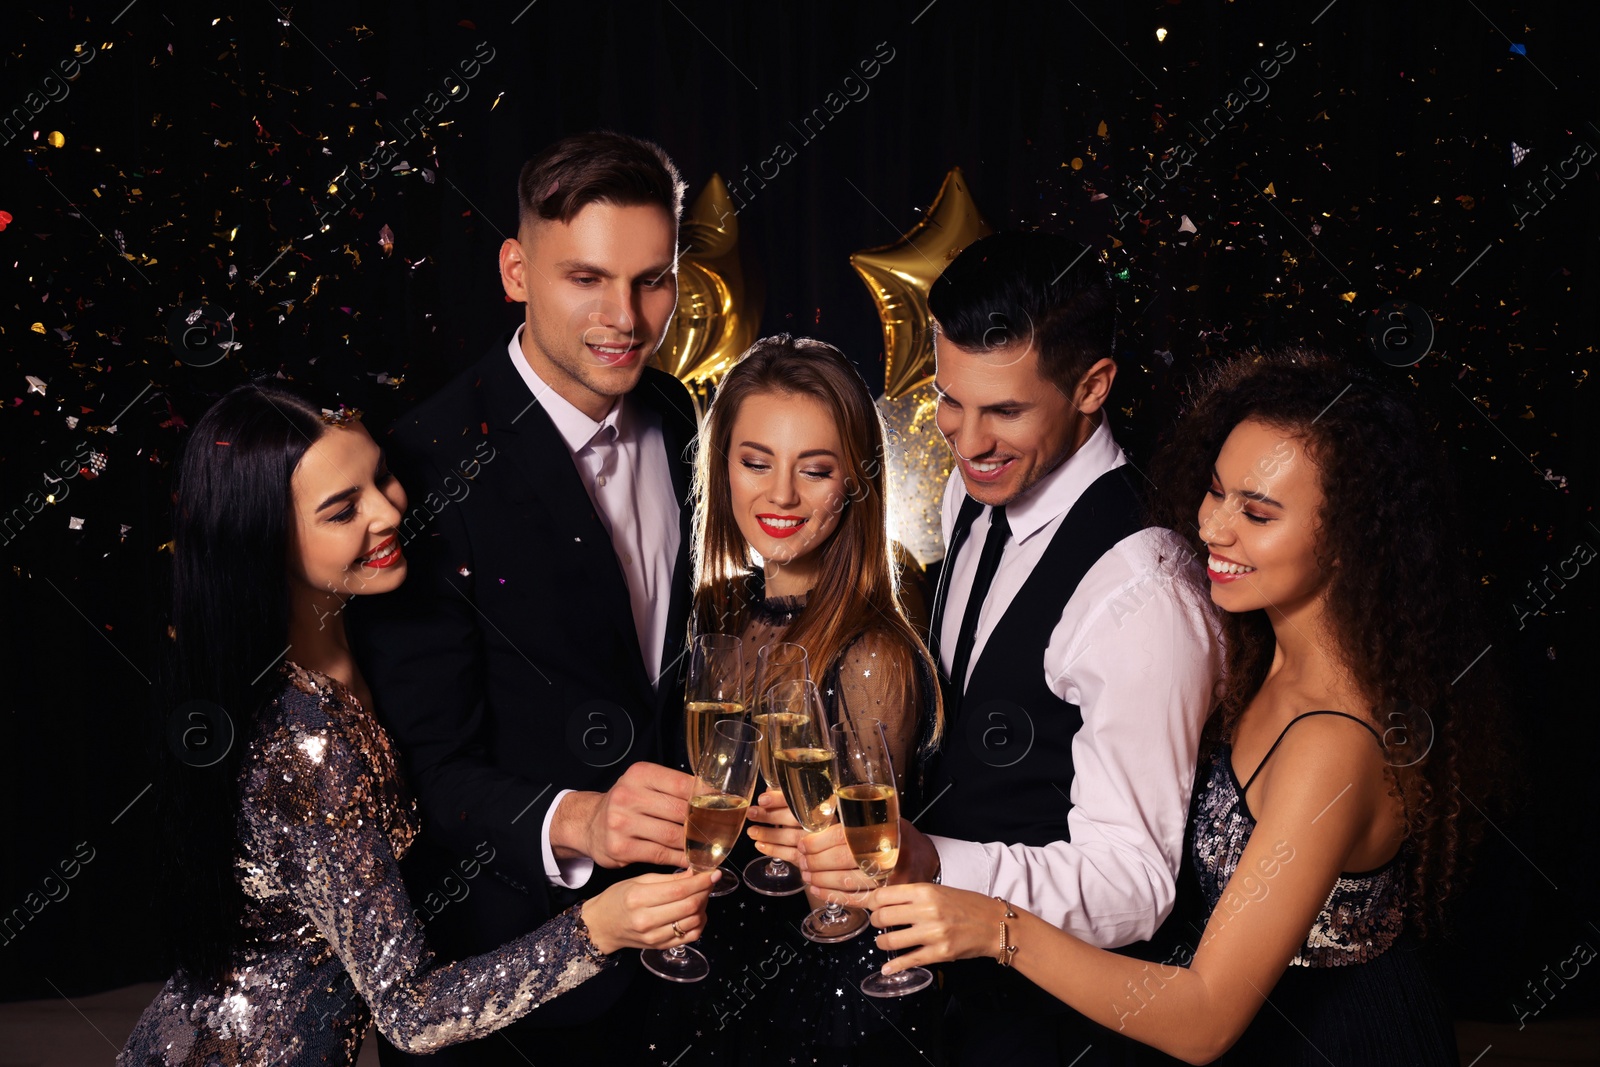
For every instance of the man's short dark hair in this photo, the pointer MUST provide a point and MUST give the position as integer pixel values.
(599, 166)
(1006, 288)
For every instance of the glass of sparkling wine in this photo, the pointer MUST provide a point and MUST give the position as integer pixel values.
(725, 779)
(803, 756)
(715, 694)
(869, 808)
(778, 662)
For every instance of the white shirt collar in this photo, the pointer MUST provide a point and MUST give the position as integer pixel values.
(1057, 491)
(577, 429)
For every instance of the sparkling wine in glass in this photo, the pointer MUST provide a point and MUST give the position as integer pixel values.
(778, 662)
(715, 693)
(725, 779)
(869, 808)
(803, 755)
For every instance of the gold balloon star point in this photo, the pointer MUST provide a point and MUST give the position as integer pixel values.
(899, 275)
(719, 308)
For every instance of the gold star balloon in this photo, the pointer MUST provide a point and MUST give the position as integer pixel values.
(899, 275)
(719, 309)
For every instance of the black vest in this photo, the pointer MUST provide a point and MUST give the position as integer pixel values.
(1004, 772)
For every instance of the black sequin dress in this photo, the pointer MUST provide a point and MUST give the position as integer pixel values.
(774, 997)
(1357, 993)
(330, 941)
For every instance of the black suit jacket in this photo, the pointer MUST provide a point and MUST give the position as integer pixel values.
(507, 665)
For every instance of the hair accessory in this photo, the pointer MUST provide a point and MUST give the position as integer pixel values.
(343, 417)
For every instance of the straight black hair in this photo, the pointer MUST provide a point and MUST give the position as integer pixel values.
(230, 619)
(1008, 289)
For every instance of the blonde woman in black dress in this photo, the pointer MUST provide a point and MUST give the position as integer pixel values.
(792, 545)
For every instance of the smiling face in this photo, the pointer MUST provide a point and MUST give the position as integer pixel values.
(346, 523)
(1008, 424)
(600, 291)
(1259, 522)
(786, 483)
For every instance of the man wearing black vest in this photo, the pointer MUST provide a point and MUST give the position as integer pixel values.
(527, 667)
(1077, 646)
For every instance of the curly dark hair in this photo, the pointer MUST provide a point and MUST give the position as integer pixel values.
(1405, 621)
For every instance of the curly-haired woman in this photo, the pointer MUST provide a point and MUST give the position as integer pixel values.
(1329, 820)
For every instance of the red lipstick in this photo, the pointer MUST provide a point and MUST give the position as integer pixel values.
(765, 522)
(387, 561)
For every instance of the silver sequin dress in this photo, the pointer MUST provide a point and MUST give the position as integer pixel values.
(1357, 993)
(330, 941)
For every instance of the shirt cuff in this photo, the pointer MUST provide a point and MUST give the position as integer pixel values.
(568, 874)
(963, 864)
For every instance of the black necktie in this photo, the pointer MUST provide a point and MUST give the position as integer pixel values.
(994, 544)
(970, 510)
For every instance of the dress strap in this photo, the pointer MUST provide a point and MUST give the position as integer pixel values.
(1375, 736)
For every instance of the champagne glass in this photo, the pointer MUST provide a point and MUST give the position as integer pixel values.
(803, 757)
(778, 662)
(869, 808)
(715, 693)
(725, 779)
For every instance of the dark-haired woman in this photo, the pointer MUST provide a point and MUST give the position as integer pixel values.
(288, 815)
(1327, 826)
(792, 545)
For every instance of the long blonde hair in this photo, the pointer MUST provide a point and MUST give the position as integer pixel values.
(858, 581)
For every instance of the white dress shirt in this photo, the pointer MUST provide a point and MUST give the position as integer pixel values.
(622, 462)
(1138, 650)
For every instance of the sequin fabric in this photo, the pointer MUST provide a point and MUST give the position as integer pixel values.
(329, 940)
(1361, 918)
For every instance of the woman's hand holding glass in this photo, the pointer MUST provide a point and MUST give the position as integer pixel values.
(939, 923)
(650, 911)
(869, 811)
(725, 778)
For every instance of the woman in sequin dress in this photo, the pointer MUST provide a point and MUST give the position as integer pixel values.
(287, 813)
(792, 545)
(1326, 829)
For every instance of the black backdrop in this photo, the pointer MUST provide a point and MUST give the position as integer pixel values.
(1375, 164)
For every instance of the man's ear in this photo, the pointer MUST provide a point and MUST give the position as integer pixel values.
(514, 267)
(1095, 386)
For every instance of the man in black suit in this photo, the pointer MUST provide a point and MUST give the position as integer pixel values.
(526, 667)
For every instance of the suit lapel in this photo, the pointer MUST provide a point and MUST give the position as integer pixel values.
(519, 425)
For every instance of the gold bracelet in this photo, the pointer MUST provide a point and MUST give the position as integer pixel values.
(1007, 949)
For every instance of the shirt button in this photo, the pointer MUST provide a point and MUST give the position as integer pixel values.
(627, 559)
(601, 481)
